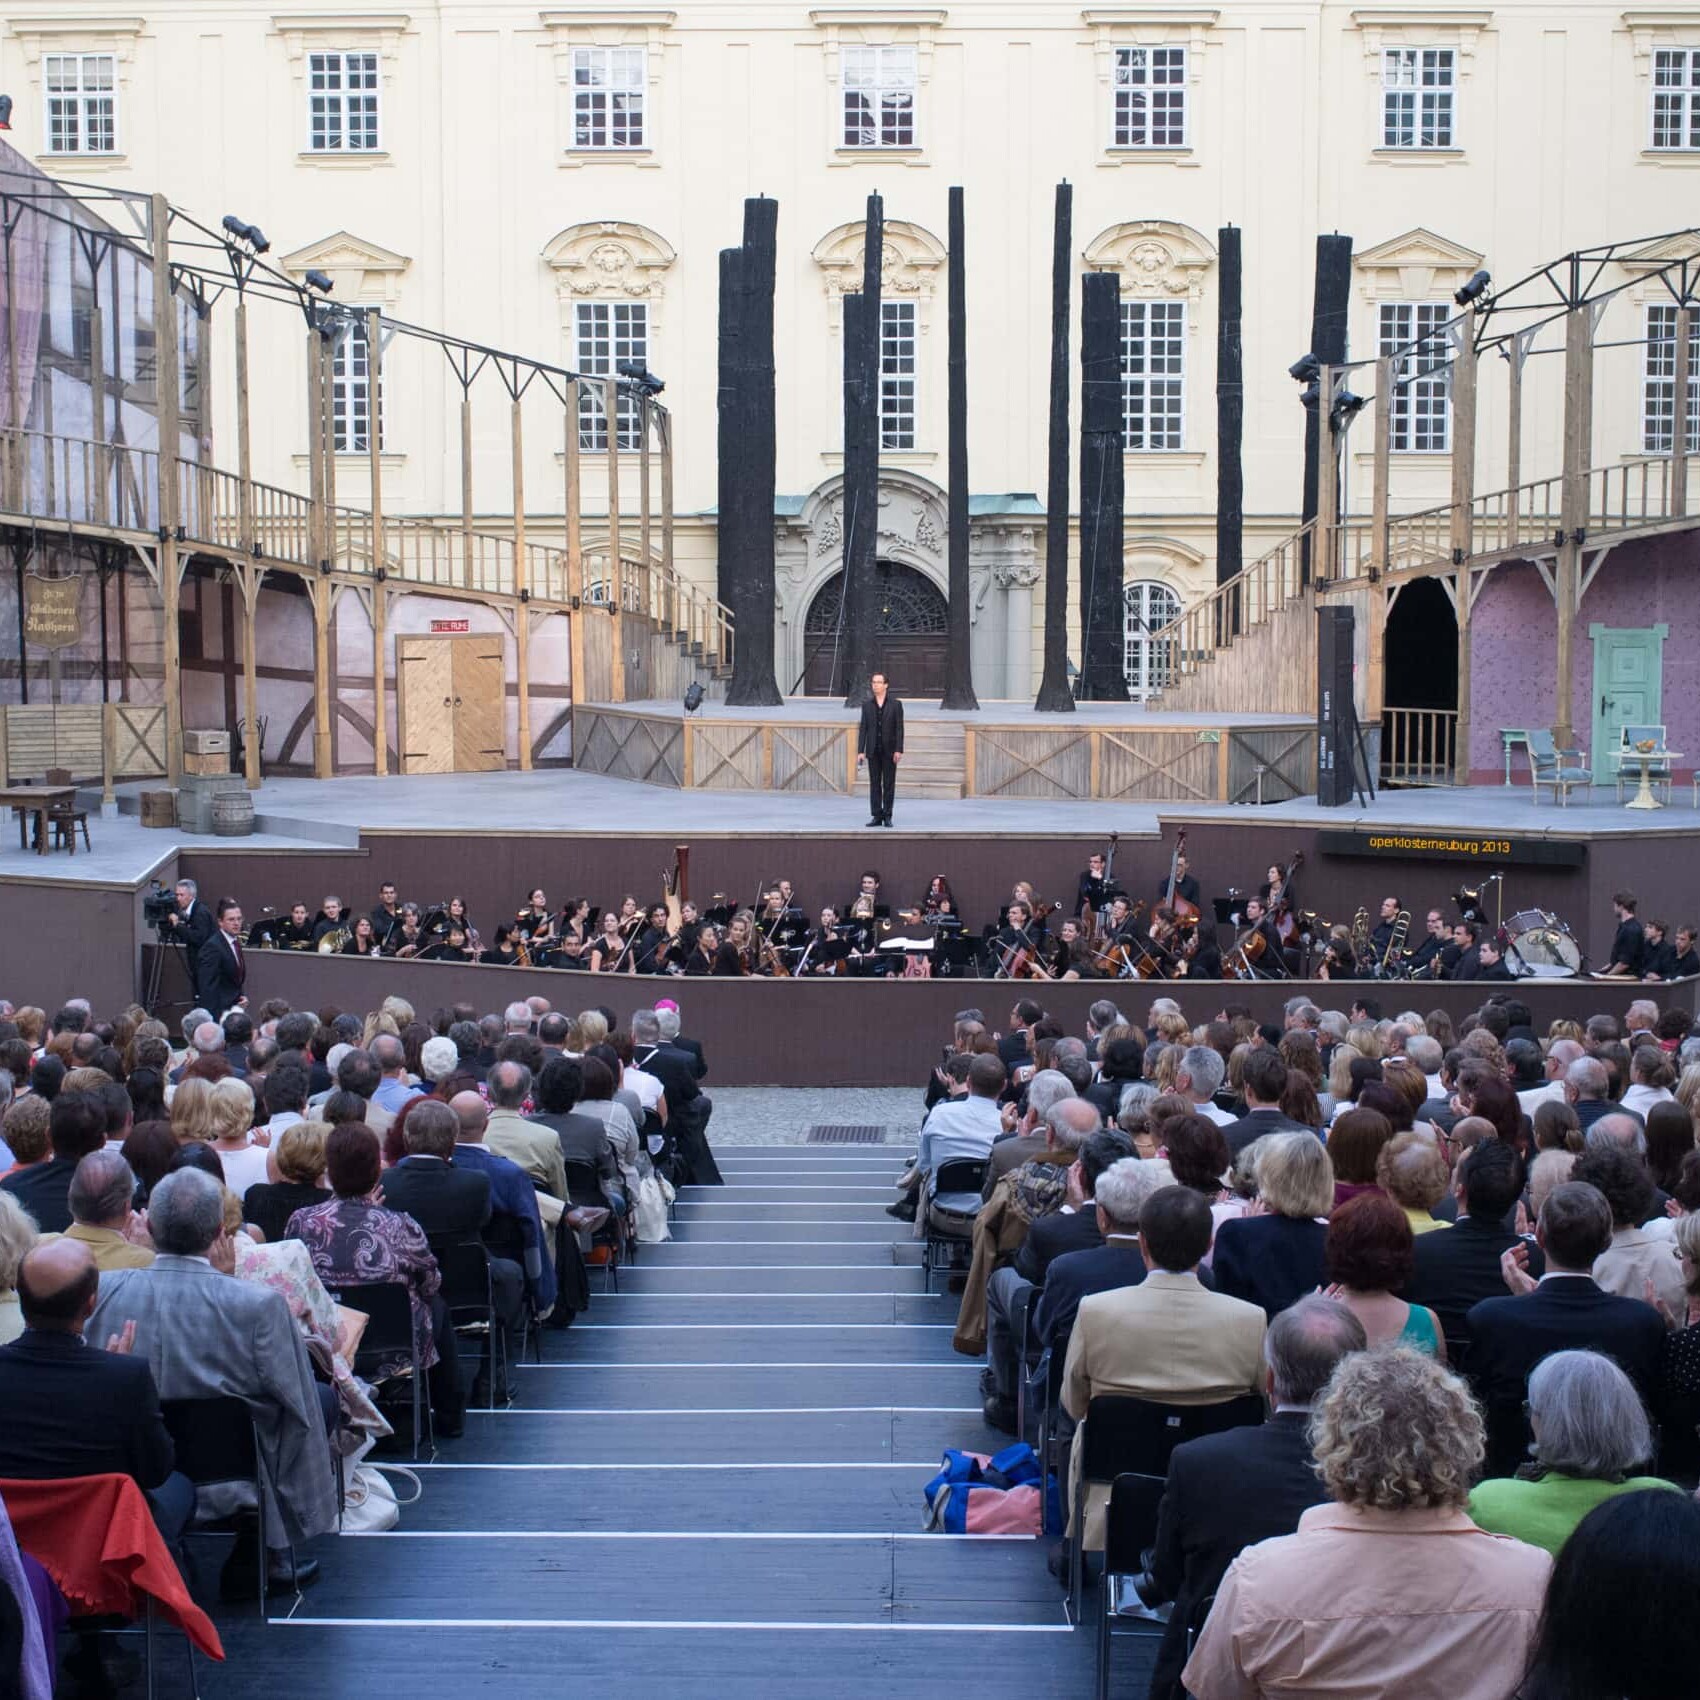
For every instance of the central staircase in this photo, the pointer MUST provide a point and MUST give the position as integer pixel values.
(934, 759)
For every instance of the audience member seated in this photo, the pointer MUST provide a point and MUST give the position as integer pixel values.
(73, 1409)
(452, 1205)
(1227, 1492)
(1587, 1087)
(1412, 1172)
(1355, 1143)
(1031, 1135)
(1276, 1256)
(580, 1137)
(521, 1139)
(1590, 1433)
(17, 1239)
(102, 1213)
(1199, 1078)
(27, 1132)
(1166, 1339)
(1263, 1084)
(285, 1090)
(596, 1102)
(232, 1118)
(1565, 1310)
(77, 1126)
(297, 1157)
(1389, 1589)
(1636, 1265)
(356, 1242)
(1368, 1258)
(209, 1337)
(956, 1128)
(1630, 1571)
(515, 1228)
(1073, 1227)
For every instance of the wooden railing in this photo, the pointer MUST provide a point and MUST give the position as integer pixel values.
(1419, 746)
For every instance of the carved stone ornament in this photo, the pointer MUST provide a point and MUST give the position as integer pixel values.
(609, 259)
(1154, 258)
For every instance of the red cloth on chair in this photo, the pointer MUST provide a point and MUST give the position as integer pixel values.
(96, 1537)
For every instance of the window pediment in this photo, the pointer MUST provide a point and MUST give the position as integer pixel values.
(910, 263)
(1153, 257)
(1425, 26)
(361, 270)
(1414, 266)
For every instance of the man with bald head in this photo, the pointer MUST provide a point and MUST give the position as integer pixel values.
(515, 1229)
(73, 1409)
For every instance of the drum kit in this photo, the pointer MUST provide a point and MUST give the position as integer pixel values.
(1538, 945)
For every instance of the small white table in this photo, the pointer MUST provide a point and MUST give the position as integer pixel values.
(1646, 760)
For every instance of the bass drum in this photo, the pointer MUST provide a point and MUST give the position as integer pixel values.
(1541, 947)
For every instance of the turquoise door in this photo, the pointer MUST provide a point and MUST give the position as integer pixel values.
(1628, 688)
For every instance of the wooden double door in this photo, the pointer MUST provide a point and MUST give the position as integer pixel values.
(451, 700)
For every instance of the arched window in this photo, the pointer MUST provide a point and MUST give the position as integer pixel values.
(1150, 606)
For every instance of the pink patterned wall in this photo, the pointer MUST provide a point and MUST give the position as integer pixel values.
(1514, 643)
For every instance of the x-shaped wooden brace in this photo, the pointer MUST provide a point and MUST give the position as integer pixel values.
(834, 746)
(1153, 769)
(659, 759)
(1034, 767)
(1270, 764)
(725, 758)
(137, 735)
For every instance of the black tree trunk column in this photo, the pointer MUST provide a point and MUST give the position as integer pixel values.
(1230, 420)
(1054, 697)
(862, 460)
(1103, 675)
(750, 452)
(959, 663)
(1329, 304)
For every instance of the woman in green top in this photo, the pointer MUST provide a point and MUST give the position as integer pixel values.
(1369, 1255)
(1590, 1432)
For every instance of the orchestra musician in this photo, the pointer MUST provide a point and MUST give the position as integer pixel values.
(1089, 888)
(363, 941)
(631, 917)
(1426, 960)
(1200, 958)
(1339, 959)
(740, 940)
(690, 924)
(1467, 965)
(1687, 958)
(412, 938)
(451, 946)
(824, 949)
(868, 895)
(1269, 963)
(1660, 957)
(504, 951)
(1012, 938)
(730, 958)
(454, 915)
(297, 932)
(535, 924)
(386, 918)
(705, 952)
(1382, 935)
(653, 953)
(608, 948)
(861, 924)
(330, 919)
(573, 938)
(1068, 957)
(940, 900)
(1186, 885)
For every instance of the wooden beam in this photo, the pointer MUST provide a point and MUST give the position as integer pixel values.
(522, 613)
(616, 577)
(165, 385)
(1381, 475)
(1463, 605)
(244, 444)
(574, 541)
(1464, 371)
(466, 485)
(1514, 441)
(321, 590)
(97, 405)
(380, 597)
(1679, 425)
(1578, 371)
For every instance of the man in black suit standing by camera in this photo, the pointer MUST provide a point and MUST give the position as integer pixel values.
(190, 924)
(879, 742)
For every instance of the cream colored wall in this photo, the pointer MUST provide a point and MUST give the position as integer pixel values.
(450, 224)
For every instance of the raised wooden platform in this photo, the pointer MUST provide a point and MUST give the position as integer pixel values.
(1104, 751)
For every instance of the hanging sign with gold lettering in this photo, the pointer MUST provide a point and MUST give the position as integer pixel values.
(53, 611)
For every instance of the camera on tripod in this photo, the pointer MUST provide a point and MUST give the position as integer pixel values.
(158, 906)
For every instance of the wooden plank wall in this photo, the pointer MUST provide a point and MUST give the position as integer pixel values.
(1268, 670)
(629, 746)
(41, 735)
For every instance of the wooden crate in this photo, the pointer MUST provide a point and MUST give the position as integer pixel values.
(159, 808)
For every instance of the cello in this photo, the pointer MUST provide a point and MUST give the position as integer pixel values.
(1184, 912)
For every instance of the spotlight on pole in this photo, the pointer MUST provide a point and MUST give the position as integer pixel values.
(639, 377)
(1474, 289)
(1346, 408)
(242, 231)
(321, 282)
(693, 697)
(1305, 370)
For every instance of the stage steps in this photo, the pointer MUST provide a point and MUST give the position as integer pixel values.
(934, 759)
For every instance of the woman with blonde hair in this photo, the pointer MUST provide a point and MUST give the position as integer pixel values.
(31, 1023)
(232, 1119)
(1340, 1088)
(295, 1178)
(379, 1021)
(192, 1112)
(1273, 1256)
(588, 1028)
(1172, 1028)
(17, 1237)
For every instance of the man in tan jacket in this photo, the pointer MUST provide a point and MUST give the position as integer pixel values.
(101, 1217)
(1167, 1339)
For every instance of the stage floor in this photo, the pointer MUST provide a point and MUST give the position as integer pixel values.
(330, 815)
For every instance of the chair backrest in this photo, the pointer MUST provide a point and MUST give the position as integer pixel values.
(214, 1439)
(961, 1174)
(1125, 1434)
(1543, 752)
(1131, 1522)
(389, 1312)
(58, 776)
(1633, 735)
(584, 1184)
(465, 1268)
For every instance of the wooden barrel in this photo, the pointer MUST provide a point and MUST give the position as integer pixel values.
(159, 808)
(232, 814)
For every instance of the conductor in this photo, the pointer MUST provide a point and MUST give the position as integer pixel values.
(879, 742)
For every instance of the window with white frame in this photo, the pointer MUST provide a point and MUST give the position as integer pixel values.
(608, 333)
(1418, 92)
(1658, 405)
(879, 96)
(897, 374)
(1422, 399)
(342, 102)
(351, 390)
(608, 90)
(82, 102)
(1676, 98)
(1149, 606)
(1153, 374)
(1150, 108)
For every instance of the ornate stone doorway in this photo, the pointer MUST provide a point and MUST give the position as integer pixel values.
(910, 632)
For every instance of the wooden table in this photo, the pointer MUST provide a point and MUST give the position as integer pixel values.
(37, 800)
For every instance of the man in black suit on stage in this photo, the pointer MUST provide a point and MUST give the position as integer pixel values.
(220, 969)
(1228, 1491)
(879, 742)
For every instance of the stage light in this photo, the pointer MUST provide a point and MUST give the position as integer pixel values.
(1345, 409)
(1310, 394)
(321, 282)
(693, 697)
(1474, 289)
(245, 232)
(640, 376)
(1305, 370)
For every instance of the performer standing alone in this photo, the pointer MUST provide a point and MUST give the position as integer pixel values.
(879, 742)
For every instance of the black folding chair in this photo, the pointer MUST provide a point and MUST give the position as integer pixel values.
(389, 1334)
(584, 1188)
(1122, 1435)
(1051, 1440)
(1130, 1530)
(216, 1442)
(469, 1293)
(503, 1238)
(1196, 1620)
(950, 1202)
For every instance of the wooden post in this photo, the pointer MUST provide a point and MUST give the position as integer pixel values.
(108, 715)
(970, 759)
(664, 431)
(249, 579)
(97, 400)
(1463, 448)
(327, 402)
(1514, 443)
(522, 592)
(165, 387)
(616, 577)
(574, 542)
(466, 485)
(380, 597)
(245, 539)
(1683, 372)
(315, 452)
(1578, 363)
(1463, 605)
(1381, 475)
(322, 592)
(650, 603)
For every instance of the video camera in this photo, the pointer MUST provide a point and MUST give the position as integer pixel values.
(158, 905)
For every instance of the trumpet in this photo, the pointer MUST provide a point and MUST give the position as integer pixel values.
(1395, 943)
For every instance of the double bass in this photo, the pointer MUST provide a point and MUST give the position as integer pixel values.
(1281, 911)
(1184, 912)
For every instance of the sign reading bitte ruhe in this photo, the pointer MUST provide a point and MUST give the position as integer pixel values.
(1414, 844)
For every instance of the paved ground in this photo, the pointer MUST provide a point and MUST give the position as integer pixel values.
(782, 1115)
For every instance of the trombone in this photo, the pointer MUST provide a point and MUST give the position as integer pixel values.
(1395, 944)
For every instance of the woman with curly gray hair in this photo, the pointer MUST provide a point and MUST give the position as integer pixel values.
(1390, 1588)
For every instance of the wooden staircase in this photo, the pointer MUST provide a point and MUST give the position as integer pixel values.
(934, 757)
